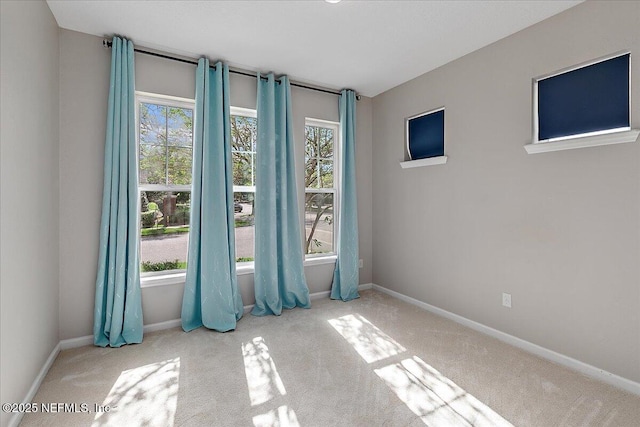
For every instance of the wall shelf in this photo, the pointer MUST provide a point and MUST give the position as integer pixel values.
(583, 142)
(431, 161)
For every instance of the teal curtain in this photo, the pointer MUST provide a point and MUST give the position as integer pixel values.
(346, 275)
(211, 296)
(118, 307)
(279, 272)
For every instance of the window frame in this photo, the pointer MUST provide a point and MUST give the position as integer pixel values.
(245, 112)
(335, 190)
(167, 101)
(586, 139)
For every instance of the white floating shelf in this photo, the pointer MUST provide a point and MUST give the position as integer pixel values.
(583, 142)
(431, 161)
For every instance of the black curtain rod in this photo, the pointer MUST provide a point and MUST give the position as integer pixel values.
(106, 43)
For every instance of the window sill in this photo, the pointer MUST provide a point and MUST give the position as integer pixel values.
(244, 268)
(249, 268)
(178, 277)
(319, 260)
(431, 161)
(174, 278)
(583, 142)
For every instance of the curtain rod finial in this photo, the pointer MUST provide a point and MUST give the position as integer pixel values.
(106, 43)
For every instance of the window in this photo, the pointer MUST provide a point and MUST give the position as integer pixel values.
(243, 151)
(165, 154)
(320, 181)
(584, 106)
(425, 135)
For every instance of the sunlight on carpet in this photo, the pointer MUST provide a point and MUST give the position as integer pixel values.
(280, 417)
(147, 396)
(370, 342)
(435, 398)
(263, 380)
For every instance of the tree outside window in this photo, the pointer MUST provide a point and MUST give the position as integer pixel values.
(244, 134)
(165, 146)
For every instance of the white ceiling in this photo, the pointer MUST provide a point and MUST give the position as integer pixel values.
(369, 46)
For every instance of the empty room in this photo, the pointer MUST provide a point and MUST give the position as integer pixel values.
(320, 213)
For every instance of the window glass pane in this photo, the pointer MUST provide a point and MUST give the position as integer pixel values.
(243, 133)
(152, 164)
(166, 154)
(153, 121)
(164, 230)
(326, 173)
(159, 126)
(180, 126)
(243, 147)
(253, 168)
(588, 99)
(318, 223)
(245, 225)
(325, 143)
(426, 135)
(311, 145)
(319, 157)
(242, 168)
(180, 159)
(311, 173)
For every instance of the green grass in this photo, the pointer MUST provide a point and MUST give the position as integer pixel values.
(242, 222)
(146, 266)
(161, 229)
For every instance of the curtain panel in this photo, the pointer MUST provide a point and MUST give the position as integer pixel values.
(279, 271)
(118, 307)
(211, 298)
(346, 276)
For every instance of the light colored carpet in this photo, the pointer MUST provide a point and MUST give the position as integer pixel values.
(376, 361)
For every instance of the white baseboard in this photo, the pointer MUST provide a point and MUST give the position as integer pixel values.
(76, 342)
(327, 294)
(584, 368)
(162, 325)
(17, 417)
(365, 286)
(246, 309)
(317, 295)
(88, 339)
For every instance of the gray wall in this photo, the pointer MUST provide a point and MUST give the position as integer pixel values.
(29, 188)
(84, 81)
(559, 231)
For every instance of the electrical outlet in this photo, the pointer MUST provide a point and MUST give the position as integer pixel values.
(506, 300)
(360, 264)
